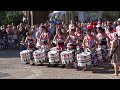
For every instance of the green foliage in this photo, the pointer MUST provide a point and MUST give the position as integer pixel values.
(8, 17)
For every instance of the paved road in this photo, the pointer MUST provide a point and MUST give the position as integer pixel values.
(12, 68)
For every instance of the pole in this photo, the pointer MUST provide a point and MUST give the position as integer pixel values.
(31, 12)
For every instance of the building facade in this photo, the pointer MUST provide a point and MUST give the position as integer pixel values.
(35, 17)
(78, 16)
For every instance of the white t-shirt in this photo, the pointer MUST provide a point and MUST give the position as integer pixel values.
(118, 31)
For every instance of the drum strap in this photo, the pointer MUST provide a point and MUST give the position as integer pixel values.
(114, 50)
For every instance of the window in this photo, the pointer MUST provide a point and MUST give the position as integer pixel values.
(76, 18)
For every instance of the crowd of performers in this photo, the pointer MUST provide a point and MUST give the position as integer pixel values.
(79, 39)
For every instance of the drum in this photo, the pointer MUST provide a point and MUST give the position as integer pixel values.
(45, 48)
(66, 57)
(84, 59)
(99, 53)
(39, 56)
(53, 56)
(53, 49)
(25, 55)
(71, 46)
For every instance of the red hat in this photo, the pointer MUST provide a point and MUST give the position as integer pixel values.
(94, 23)
(90, 27)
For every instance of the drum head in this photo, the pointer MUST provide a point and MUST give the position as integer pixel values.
(38, 51)
(98, 49)
(65, 52)
(24, 51)
(52, 52)
(85, 53)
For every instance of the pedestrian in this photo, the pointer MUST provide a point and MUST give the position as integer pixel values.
(15, 36)
(52, 31)
(115, 53)
(118, 29)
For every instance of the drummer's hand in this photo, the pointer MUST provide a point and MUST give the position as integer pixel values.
(99, 46)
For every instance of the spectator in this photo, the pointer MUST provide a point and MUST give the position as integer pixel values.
(51, 30)
(15, 36)
(23, 44)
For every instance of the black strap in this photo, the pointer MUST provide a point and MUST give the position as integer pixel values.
(114, 50)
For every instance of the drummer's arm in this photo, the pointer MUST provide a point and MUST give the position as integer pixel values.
(49, 41)
(66, 41)
(78, 41)
(54, 40)
(84, 41)
(26, 40)
(97, 41)
(34, 41)
(108, 39)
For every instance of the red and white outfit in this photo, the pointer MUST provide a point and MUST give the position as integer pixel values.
(44, 41)
(30, 42)
(60, 42)
(112, 37)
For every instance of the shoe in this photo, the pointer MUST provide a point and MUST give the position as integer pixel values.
(27, 63)
(33, 64)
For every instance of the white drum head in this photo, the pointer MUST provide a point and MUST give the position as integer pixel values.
(65, 52)
(24, 51)
(98, 49)
(85, 53)
(52, 52)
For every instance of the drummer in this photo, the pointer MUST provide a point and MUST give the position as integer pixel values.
(112, 35)
(72, 41)
(104, 41)
(80, 37)
(44, 37)
(59, 39)
(30, 45)
(91, 42)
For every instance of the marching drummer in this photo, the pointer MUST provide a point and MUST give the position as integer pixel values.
(44, 37)
(91, 42)
(80, 37)
(30, 45)
(45, 40)
(104, 41)
(72, 41)
(59, 39)
(112, 35)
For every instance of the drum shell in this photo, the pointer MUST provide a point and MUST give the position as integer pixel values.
(53, 56)
(99, 53)
(39, 56)
(83, 59)
(25, 55)
(66, 57)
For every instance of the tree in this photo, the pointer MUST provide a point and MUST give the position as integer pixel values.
(8, 17)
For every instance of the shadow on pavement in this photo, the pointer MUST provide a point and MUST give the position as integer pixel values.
(9, 53)
(4, 75)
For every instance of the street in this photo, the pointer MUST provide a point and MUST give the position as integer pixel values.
(12, 68)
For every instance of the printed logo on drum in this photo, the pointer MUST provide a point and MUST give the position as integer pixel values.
(85, 57)
(52, 54)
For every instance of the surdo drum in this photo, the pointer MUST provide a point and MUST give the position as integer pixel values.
(66, 57)
(99, 53)
(84, 59)
(39, 56)
(25, 55)
(53, 57)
